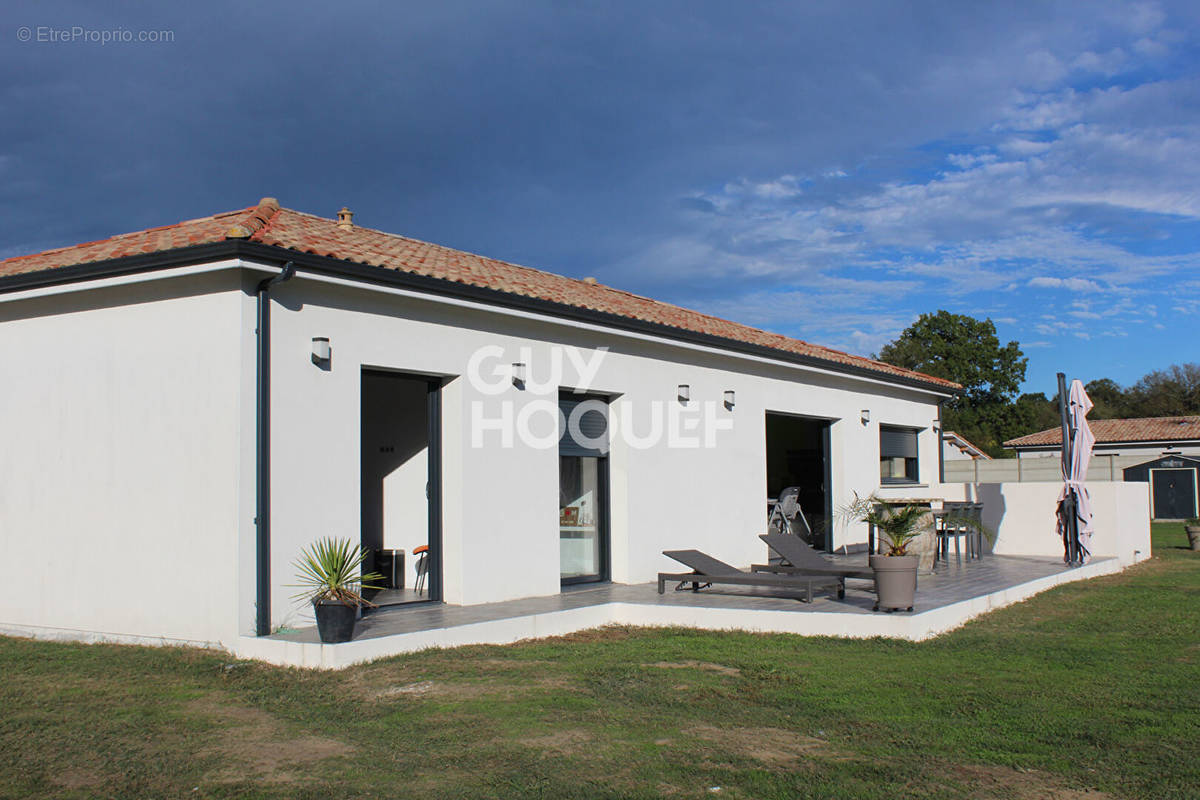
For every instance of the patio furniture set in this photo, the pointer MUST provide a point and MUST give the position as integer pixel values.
(804, 570)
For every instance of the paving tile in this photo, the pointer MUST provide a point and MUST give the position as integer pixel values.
(949, 584)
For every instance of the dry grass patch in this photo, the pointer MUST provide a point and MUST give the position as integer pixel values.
(771, 746)
(984, 782)
(564, 742)
(77, 778)
(254, 745)
(704, 665)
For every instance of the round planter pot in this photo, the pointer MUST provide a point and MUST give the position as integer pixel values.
(895, 581)
(1193, 534)
(335, 622)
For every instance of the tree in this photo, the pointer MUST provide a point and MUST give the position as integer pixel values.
(1033, 413)
(962, 349)
(1170, 392)
(965, 350)
(1110, 400)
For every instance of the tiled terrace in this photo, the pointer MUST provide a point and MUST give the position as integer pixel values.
(945, 599)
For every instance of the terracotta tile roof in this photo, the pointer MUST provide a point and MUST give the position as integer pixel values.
(270, 224)
(964, 445)
(1108, 431)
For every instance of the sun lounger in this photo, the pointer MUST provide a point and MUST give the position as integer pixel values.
(800, 558)
(707, 570)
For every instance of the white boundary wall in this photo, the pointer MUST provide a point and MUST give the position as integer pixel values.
(1022, 517)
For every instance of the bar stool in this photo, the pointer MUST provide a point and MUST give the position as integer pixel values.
(422, 566)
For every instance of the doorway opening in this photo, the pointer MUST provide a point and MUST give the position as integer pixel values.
(400, 486)
(798, 455)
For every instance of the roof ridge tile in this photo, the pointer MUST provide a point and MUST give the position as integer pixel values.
(255, 220)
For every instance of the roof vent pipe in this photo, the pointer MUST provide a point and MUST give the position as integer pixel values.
(345, 218)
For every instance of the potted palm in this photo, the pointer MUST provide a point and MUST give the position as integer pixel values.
(895, 570)
(1192, 526)
(329, 573)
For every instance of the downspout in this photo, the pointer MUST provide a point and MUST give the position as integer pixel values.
(262, 494)
(941, 445)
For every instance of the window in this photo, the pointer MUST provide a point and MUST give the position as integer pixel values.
(897, 455)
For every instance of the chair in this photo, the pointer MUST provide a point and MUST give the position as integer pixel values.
(975, 534)
(956, 521)
(786, 515)
(422, 566)
(801, 558)
(707, 570)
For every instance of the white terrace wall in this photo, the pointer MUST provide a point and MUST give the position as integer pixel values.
(500, 525)
(1022, 516)
(120, 423)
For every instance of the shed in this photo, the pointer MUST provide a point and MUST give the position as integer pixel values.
(1173, 485)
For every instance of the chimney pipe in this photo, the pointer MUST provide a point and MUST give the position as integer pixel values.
(345, 218)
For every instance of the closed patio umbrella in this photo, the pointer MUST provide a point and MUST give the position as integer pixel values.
(1074, 504)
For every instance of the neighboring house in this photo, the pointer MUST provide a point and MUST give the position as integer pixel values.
(1149, 436)
(958, 448)
(185, 408)
(1163, 451)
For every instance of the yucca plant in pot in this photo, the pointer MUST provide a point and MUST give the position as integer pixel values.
(895, 570)
(329, 573)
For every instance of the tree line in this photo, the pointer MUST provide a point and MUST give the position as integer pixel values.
(967, 351)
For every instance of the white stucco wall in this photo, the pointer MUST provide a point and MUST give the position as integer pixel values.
(121, 464)
(127, 476)
(500, 527)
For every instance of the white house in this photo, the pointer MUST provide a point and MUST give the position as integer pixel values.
(185, 408)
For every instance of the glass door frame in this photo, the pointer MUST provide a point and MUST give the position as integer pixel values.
(602, 508)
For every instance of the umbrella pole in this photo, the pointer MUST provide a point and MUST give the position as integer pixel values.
(1070, 522)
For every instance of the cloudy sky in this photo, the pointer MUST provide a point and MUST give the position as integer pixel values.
(826, 170)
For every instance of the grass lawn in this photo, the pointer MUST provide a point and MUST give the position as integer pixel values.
(1090, 690)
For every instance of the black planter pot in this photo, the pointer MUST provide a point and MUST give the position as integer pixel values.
(335, 621)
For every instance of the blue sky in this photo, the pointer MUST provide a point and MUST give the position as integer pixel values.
(826, 170)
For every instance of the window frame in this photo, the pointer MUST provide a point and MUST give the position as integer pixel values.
(912, 464)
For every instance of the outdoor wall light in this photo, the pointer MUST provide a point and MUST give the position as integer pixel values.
(729, 398)
(518, 374)
(320, 350)
(685, 393)
(865, 415)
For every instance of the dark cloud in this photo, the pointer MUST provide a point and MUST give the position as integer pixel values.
(681, 147)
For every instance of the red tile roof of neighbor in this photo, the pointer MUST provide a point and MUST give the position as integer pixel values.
(268, 223)
(1147, 429)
